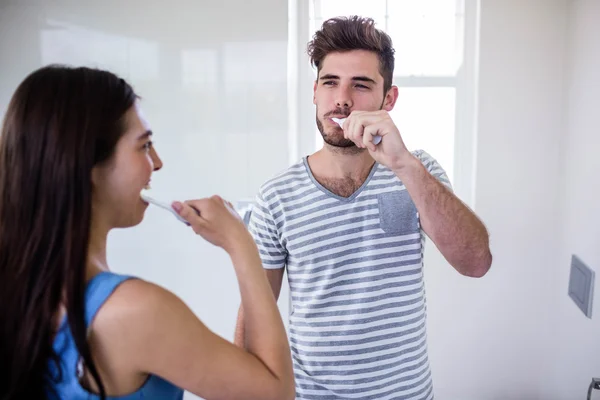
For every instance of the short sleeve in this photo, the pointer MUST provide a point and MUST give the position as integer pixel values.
(433, 167)
(264, 230)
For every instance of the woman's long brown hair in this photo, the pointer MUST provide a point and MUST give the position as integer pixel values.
(60, 122)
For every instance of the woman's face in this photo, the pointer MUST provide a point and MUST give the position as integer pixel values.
(117, 182)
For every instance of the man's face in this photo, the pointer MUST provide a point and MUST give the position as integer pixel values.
(348, 81)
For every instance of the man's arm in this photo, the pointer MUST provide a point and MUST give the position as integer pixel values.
(451, 225)
(456, 231)
(273, 255)
(275, 277)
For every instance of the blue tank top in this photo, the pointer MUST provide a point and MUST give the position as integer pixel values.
(98, 290)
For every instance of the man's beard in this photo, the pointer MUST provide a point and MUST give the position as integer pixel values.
(336, 138)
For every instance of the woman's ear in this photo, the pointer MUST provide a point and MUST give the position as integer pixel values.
(94, 176)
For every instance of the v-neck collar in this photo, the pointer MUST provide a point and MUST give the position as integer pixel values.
(330, 193)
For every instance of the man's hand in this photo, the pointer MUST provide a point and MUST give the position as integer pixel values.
(362, 126)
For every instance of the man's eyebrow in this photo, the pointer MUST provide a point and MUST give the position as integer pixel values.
(363, 79)
(329, 76)
(360, 78)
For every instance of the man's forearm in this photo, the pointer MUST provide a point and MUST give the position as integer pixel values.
(457, 232)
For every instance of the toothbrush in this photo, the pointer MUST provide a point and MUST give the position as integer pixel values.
(340, 122)
(162, 205)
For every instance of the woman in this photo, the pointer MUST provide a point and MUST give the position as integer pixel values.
(75, 153)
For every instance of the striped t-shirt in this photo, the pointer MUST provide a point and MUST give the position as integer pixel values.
(355, 270)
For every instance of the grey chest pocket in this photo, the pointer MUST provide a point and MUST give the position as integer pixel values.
(397, 213)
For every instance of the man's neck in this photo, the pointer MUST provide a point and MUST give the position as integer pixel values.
(341, 163)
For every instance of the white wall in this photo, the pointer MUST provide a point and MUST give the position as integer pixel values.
(213, 78)
(487, 336)
(516, 334)
(573, 356)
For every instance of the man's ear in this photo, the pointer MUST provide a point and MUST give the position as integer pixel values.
(390, 99)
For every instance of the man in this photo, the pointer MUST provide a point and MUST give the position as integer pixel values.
(349, 223)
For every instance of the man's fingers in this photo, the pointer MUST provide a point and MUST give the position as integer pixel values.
(370, 133)
(357, 124)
